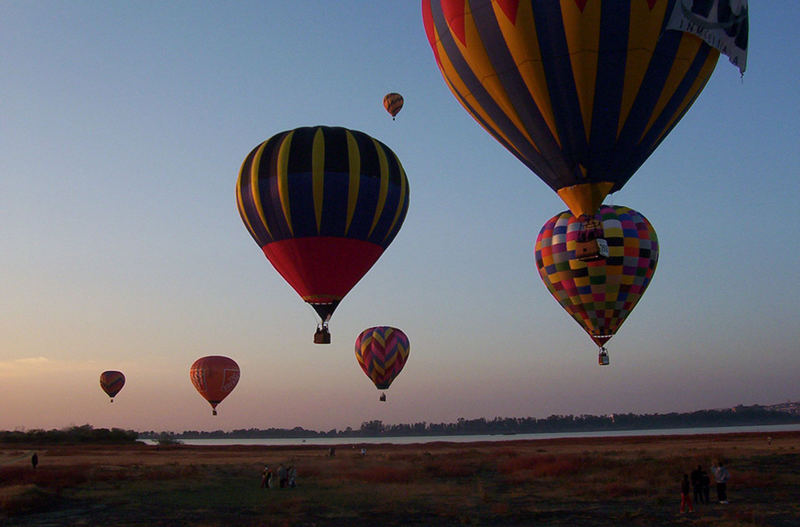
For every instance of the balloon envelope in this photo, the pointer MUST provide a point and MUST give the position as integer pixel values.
(323, 203)
(393, 102)
(581, 92)
(382, 352)
(214, 377)
(599, 295)
(112, 382)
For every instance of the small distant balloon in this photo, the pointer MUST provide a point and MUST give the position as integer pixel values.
(393, 102)
(382, 352)
(214, 377)
(112, 382)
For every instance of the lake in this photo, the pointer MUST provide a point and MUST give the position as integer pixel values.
(408, 440)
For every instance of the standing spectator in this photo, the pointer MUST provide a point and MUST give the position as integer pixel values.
(292, 477)
(266, 477)
(34, 460)
(705, 484)
(721, 477)
(697, 485)
(686, 499)
(283, 478)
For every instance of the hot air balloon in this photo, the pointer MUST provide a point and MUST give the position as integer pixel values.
(323, 203)
(393, 102)
(214, 377)
(382, 352)
(599, 294)
(112, 382)
(581, 92)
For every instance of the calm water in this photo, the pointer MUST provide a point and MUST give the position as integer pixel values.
(407, 440)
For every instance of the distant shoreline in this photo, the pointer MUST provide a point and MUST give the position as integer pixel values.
(478, 438)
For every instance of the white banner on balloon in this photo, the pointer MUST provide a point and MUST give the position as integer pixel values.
(721, 23)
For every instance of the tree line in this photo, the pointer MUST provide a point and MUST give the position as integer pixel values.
(737, 416)
(71, 435)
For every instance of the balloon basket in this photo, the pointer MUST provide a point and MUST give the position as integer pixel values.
(591, 250)
(590, 245)
(213, 412)
(602, 357)
(322, 336)
(382, 398)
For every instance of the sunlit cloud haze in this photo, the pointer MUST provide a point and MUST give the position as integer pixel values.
(124, 127)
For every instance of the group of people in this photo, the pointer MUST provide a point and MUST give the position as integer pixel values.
(285, 478)
(700, 486)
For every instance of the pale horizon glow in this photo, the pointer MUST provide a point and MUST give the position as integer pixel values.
(123, 129)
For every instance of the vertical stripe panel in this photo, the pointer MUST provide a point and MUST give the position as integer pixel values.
(561, 84)
(524, 47)
(613, 47)
(354, 165)
(483, 67)
(283, 178)
(582, 32)
(239, 201)
(318, 174)
(697, 86)
(384, 184)
(539, 147)
(469, 91)
(687, 50)
(401, 203)
(643, 35)
(254, 185)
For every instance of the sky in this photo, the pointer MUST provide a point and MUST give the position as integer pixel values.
(122, 129)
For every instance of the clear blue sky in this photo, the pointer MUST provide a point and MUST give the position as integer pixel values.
(122, 129)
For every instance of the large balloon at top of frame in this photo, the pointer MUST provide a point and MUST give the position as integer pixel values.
(112, 382)
(599, 294)
(323, 203)
(581, 92)
(214, 377)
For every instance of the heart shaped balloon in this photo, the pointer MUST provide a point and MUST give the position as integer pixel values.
(599, 294)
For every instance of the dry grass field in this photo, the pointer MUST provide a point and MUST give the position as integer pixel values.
(559, 482)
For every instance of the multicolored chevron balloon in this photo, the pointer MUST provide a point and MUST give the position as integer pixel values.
(599, 294)
(382, 352)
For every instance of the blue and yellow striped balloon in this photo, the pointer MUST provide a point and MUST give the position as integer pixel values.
(323, 203)
(582, 92)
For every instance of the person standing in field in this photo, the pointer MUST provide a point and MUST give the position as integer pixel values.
(266, 477)
(697, 484)
(283, 478)
(721, 477)
(686, 499)
(705, 484)
(34, 460)
(292, 477)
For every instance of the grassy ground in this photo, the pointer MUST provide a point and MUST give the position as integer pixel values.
(563, 482)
